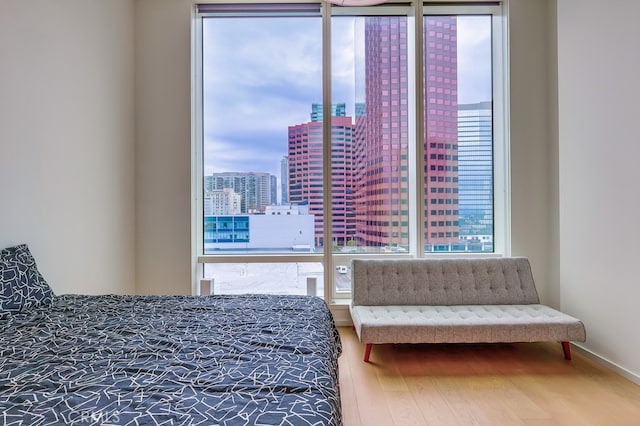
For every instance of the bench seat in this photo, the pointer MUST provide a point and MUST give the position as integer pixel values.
(454, 301)
(464, 324)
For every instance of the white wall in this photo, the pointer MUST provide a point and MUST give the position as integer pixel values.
(530, 147)
(553, 296)
(599, 148)
(66, 140)
(163, 147)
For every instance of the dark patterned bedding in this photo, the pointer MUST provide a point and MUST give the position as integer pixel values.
(170, 360)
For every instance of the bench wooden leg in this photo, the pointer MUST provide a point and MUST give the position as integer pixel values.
(566, 348)
(367, 351)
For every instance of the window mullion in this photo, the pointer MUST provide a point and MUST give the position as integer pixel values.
(197, 216)
(329, 287)
(417, 224)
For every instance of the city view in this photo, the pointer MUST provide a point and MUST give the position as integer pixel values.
(263, 168)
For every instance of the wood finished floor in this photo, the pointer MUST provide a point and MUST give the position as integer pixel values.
(486, 384)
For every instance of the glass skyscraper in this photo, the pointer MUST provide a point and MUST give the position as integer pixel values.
(475, 158)
(382, 134)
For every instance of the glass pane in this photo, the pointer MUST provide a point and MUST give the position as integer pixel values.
(458, 159)
(342, 275)
(370, 134)
(261, 76)
(266, 278)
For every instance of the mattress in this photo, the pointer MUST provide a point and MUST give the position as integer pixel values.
(171, 360)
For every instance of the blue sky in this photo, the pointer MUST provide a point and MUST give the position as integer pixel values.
(261, 76)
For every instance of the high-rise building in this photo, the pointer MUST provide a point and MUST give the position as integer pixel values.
(475, 169)
(255, 188)
(370, 159)
(273, 189)
(284, 180)
(381, 147)
(441, 130)
(305, 175)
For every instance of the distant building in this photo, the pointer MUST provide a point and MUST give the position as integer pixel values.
(222, 202)
(286, 210)
(305, 175)
(284, 180)
(273, 187)
(256, 189)
(475, 170)
(337, 110)
(268, 232)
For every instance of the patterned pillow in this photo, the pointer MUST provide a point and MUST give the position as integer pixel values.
(21, 284)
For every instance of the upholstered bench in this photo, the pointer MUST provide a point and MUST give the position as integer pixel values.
(487, 300)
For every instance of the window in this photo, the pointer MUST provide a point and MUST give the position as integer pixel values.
(306, 168)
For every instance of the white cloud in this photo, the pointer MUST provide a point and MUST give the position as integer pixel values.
(265, 74)
(474, 59)
(261, 73)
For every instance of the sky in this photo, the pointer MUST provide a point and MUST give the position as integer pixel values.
(262, 75)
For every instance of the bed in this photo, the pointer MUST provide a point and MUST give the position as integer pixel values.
(168, 360)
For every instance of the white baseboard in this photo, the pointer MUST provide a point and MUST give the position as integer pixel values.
(607, 363)
(341, 315)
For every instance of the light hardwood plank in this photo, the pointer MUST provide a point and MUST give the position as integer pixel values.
(487, 384)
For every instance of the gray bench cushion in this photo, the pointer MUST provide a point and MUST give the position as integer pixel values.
(453, 301)
(464, 324)
(444, 282)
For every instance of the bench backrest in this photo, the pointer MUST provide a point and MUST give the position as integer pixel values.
(492, 281)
